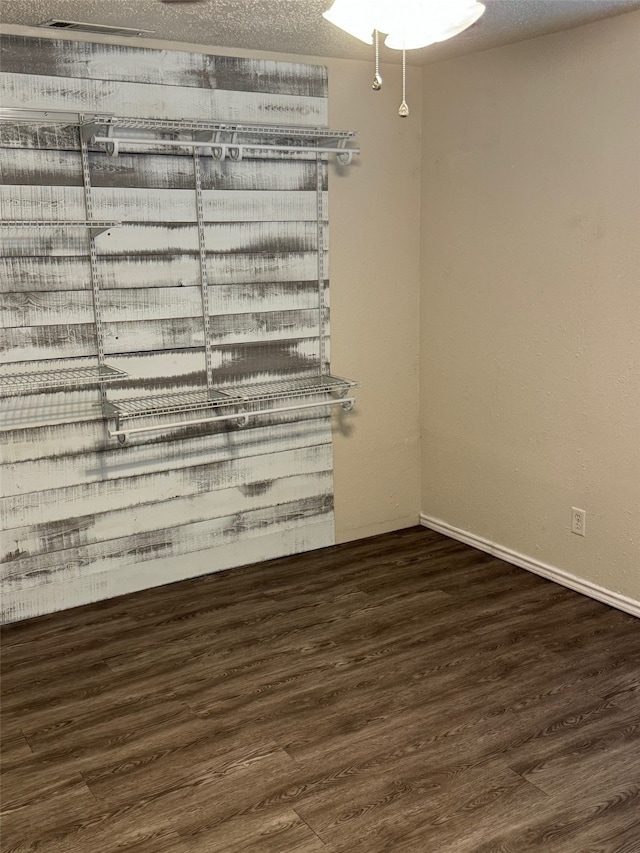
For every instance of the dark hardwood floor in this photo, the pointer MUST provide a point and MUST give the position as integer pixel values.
(404, 693)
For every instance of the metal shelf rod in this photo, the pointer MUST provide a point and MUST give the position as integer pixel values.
(345, 402)
(233, 146)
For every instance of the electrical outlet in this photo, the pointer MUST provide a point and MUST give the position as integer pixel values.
(578, 521)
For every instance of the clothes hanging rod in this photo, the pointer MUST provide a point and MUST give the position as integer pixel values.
(347, 403)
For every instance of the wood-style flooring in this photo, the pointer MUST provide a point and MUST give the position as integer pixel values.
(403, 693)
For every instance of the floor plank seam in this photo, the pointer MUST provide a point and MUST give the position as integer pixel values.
(320, 839)
(26, 740)
(529, 782)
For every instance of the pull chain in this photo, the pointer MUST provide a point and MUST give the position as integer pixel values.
(377, 79)
(403, 112)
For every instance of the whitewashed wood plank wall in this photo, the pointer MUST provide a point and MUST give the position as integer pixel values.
(82, 517)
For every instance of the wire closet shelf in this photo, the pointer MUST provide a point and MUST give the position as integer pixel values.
(218, 139)
(237, 404)
(19, 383)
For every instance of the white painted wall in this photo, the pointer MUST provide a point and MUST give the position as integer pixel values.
(530, 338)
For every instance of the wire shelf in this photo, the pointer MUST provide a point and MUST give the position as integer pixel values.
(178, 125)
(166, 404)
(199, 400)
(291, 388)
(92, 121)
(218, 139)
(17, 383)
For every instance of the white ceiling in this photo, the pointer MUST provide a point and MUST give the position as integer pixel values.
(297, 26)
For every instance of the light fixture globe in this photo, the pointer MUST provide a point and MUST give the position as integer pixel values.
(408, 24)
(432, 21)
(352, 16)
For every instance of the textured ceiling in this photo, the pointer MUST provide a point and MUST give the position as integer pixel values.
(297, 26)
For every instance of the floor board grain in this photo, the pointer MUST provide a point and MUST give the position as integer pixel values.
(402, 693)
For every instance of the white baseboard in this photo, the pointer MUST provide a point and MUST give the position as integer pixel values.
(600, 593)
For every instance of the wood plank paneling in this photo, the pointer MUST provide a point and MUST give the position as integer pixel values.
(113, 469)
(32, 556)
(239, 238)
(84, 95)
(34, 342)
(86, 517)
(295, 536)
(40, 137)
(45, 57)
(171, 541)
(49, 308)
(181, 491)
(27, 162)
(156, 205)
(24, 343)
(42, 273)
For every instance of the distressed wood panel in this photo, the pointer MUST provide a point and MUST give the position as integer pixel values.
(39, 168)
(53, 273)
(179, 449)
(106, 511)
(295, 536)
(35, 342)
(40, 274)
(239, 238)
(156, 205)
(33, 410)
(84, 95)
(58, 57)
(41, 137)
(172, 541)
(33, 308)
(46, 308)
(159, 452)
(20, 545)
(258, 362)
(46, 242)
(25, 343)
(31, 164)
(241, 242)
(237, 491)
(177, 333)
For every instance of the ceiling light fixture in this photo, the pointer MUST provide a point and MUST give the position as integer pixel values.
(409, 24)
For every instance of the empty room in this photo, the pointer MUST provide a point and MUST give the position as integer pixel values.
(320, 426)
